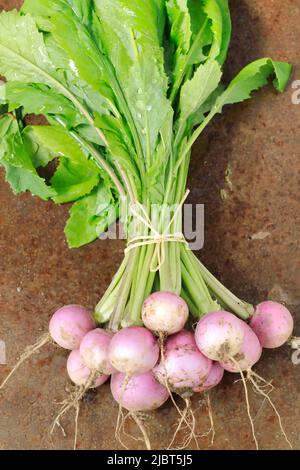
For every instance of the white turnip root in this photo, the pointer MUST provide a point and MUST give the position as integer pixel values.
(182, 339)
(84, 379)
(133, 350)
(248, 355)
(165, 313)
(184, 367)
(80, 374)
(94, 351)
(69, 325)
(213, 379)
(272, 323)
(142, 392)
(219, 335)
(138, 393)
(67, 328)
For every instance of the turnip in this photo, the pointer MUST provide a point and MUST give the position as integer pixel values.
(84, 379)
(248, 355)
(272, 323)
(80, 374)
(136, 394)
(184, 367)
(94, 351)
(133, 350)
(142, 392)
(219, 335)
(184, 338)
(67, 327)
(213, 379)
(165, 313)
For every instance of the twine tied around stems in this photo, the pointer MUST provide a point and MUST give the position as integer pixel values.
(158, 239)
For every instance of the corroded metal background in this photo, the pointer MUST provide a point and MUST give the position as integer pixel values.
(252, 244)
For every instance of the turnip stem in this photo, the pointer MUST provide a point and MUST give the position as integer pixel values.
(240, 308)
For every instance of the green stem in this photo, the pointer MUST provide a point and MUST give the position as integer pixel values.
(197, 133)
(202, 292)
(187, 297)
(123, 292)
(105, 307)
(240, 308)
(142, 282)
(192, 288)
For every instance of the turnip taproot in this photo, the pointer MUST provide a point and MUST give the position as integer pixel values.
(142, 392)
(183, 368)
(133, 350)
(80, 374)
(213, 379)
(165, 313)
(272, 323)
(248, 355)
(69, 325)
(219, 335)
(94, 351)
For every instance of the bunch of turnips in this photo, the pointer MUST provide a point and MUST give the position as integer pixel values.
(192, 362)
(126, 88)
(168, 355)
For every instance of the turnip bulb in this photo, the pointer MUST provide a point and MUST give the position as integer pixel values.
(139, 393)
(248, 355)
(94, 351)
(69, 325)
(219, 335)
(213, 379)
(133, 350)
(165, 313)
(183, 366)
(80, 374)
(272, 323)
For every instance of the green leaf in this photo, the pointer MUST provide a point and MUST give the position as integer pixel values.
(72, 40)
(60, 143)
(22, 179)
(76, 174)
(82, 9)
(40, 155)
(40, 99)
(5, 123)
(129, 31)
(72, 180)
(226, 30)
(181, 35)
(23, 55)
(90, 217)
(219, 15)
(14, 157)
(199, 36)
(207, 106)
(197, 90)
(198, 17)
(181, 27)
(253, 77)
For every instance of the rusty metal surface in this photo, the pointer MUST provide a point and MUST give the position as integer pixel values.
(252, 243)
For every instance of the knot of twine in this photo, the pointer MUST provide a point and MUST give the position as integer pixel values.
(156, 238)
